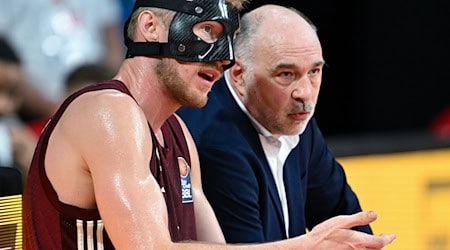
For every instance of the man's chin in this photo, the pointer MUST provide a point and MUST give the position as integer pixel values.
(197, 103)
(298, 130)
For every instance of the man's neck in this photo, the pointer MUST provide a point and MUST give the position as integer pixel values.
(147, 91)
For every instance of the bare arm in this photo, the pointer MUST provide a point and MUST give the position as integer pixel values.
(110, 150)
(107, 163)
(104, 141)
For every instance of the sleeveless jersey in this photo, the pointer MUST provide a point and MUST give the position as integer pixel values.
(51, 224)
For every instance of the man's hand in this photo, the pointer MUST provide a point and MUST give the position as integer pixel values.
(336, 233)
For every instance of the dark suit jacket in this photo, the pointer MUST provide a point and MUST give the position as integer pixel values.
(238, 182)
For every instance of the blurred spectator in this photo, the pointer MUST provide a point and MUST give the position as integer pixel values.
(87, 74)
(17, 143)
(79, 77)
(53, 37)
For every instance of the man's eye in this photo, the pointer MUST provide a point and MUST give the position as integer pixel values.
(287, 75)
(208, 31)
(207, 28)
(285, 78)
(314, 72)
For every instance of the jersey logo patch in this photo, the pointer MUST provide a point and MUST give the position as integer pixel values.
(185, 176)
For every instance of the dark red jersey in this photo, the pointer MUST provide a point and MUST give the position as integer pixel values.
(51, 224)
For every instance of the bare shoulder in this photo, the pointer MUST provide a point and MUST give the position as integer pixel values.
(96, 128)
(96, 113)
(104, 102)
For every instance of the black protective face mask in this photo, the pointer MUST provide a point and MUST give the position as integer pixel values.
(182, 43)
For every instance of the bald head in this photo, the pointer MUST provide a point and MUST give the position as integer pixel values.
(268, 24)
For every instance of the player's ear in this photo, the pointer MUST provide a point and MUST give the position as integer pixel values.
(150, 27)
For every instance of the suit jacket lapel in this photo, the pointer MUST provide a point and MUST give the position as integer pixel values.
(249, 132)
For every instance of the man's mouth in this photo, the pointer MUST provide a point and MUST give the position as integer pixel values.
(210, 75)
(206, 76)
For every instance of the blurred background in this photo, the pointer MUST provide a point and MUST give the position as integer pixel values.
(384, 105)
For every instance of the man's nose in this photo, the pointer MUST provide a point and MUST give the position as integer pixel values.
(302, 89)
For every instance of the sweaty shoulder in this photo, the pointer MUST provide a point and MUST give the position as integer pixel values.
(101, 109)
(96, 129)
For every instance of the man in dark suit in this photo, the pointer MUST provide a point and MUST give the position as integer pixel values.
(266, 168)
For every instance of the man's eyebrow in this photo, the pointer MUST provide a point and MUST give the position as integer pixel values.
(320, 63)
(293, 65)
(286, 66)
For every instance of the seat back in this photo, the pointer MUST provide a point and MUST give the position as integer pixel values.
(11, 222)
